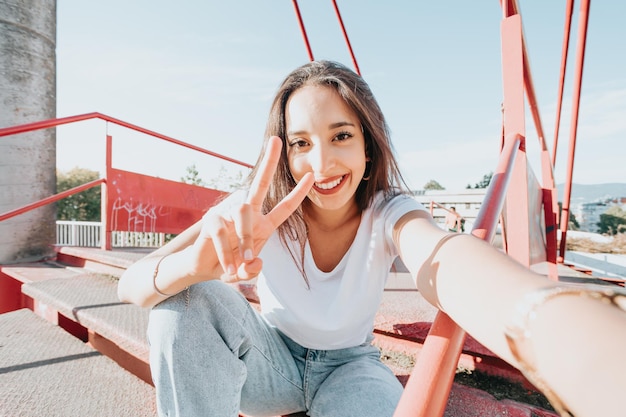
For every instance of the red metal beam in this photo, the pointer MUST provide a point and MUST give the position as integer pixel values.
(427, 390)
(568, 24)
(489, 213)
(583, 20)
(345, 36)
(303, 30)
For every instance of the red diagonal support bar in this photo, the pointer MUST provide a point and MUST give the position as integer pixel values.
(345, 36)
(303, 30)
(583, 20)
(568, 24)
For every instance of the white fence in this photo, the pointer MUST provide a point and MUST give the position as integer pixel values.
(88, 234)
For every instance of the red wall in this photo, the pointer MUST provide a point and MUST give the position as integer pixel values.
(139, 203)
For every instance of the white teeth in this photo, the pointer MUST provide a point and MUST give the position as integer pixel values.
(328, 185)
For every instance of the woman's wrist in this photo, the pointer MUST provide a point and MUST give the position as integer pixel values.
(174, 272)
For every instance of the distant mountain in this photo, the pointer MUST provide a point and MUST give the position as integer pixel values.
(584, 193)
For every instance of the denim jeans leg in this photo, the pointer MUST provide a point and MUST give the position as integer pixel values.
(211, 354)
(363, 386)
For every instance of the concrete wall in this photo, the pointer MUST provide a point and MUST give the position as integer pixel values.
(27, 94)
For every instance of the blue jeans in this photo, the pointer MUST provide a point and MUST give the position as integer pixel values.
(212, 354)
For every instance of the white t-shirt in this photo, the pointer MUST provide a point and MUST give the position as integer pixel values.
(338, 310)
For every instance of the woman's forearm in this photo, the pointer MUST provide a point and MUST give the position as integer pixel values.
(139, 285)
(182, 262)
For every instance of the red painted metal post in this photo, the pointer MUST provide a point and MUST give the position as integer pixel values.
(578, 77)
(303, 30)
(105, 203)
(518, 241)
(345, 36)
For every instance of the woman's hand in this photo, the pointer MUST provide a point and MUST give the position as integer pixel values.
(237, 233)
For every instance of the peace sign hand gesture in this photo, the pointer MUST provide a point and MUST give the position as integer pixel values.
(238, 234)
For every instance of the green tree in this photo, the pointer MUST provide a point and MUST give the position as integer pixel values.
(573, 223)
(612, 221)
(484, 183)
(433, 185)
(193, 176)
(224, 181)
(84, 206)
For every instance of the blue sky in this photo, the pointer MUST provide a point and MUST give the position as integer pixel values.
(205, 72)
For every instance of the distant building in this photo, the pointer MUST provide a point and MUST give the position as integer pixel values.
(467, 203)
(588, 214)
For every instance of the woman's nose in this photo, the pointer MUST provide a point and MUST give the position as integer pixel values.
(321, 158)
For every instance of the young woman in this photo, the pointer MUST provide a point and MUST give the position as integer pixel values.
(322, 219)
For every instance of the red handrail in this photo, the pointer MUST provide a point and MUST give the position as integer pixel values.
(51, 199)
(44, 124)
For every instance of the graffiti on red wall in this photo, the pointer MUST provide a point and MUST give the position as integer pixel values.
(139, 203)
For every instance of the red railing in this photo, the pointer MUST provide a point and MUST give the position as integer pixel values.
(44, 124)
(51, 199)
(203, 196)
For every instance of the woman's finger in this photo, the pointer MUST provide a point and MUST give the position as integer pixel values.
(267, 168)
(217, 230)
(245, 272)
(291, 202)
(244, 228)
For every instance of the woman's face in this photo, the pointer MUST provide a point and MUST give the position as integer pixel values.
(324, 137)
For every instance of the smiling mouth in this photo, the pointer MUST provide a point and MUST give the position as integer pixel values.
(330, 184)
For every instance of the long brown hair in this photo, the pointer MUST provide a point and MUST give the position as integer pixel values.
(382, 171)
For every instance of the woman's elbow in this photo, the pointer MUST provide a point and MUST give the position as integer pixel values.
(127, 292)
(122, 291)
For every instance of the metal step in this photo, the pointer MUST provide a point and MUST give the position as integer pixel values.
(48, 372)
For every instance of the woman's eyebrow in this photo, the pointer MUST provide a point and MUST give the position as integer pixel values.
(330, 126)
(340, 124)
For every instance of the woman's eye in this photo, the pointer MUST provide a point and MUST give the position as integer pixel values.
(297, 143)
(343, 136)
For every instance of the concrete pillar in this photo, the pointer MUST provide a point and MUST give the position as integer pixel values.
(27, 94)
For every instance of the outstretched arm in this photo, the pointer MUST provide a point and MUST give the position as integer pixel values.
(569, 338)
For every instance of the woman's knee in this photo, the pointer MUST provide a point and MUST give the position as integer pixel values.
(359, 388)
